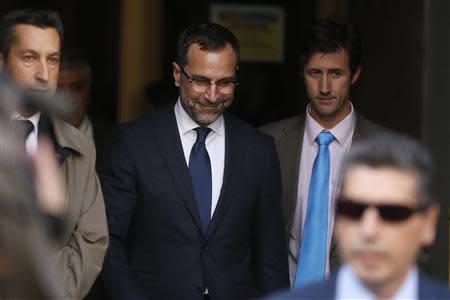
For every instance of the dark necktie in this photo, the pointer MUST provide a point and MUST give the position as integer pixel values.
(313, 248)
(200, 170)
(25, 127)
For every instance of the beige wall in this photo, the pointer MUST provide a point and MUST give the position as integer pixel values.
(140, 53)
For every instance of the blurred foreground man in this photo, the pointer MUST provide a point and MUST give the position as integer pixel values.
(30, 42)
(385, 215)
(192, 193)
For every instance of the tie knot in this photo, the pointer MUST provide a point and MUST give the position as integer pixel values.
(25, 127)
(202, 133)
(324, 138)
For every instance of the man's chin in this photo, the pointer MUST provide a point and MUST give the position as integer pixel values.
(206, 119)
(32, 100)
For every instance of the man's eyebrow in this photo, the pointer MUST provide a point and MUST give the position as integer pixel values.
(54, 54)
(31, 51)
(201, 77)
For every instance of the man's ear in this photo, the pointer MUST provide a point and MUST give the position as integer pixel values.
(176, 73)
(355, 74)
(1, 63)
(429, 229)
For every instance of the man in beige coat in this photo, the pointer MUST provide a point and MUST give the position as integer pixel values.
(29, 59)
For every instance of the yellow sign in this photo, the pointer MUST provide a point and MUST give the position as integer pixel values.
(259, 29)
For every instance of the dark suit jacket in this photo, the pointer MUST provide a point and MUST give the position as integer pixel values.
(326, 290)
(157, 248)
(288, 135)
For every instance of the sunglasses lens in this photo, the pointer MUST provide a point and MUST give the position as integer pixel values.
(350, 209)
(389, 213)
(394, 213)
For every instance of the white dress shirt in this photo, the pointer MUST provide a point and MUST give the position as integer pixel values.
(215, 145)
(349, 286)
(31, 143)
(343, 133)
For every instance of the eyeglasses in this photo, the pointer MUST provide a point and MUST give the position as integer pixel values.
(201, 85)
(388, 212)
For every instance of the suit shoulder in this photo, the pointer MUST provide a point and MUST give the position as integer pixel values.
(247, 131)
(317, 291)
(432, 289)
(368, 128)
(147, 123)
(284, 126)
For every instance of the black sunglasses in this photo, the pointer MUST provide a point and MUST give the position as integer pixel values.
(388, 212)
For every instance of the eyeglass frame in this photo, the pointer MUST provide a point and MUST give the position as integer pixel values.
(191, 80)
(385, 212)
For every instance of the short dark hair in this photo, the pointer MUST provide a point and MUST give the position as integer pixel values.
(209, 36)
(395, 151)
(73, 58)
(329, 35)
(36, 17)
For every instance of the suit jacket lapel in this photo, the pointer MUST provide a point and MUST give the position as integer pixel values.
(169, 143)
(290, 144)
(235, 148)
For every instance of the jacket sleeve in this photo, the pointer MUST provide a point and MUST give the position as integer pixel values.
(118, 178)
(269, 246)
(80, 259)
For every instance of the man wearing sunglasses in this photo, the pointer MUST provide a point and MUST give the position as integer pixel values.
(385, 215)
(192, 193)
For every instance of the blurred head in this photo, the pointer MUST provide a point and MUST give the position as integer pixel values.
(385, 212)
(205, 71)
(30, 43)
(75, 78)
(329, 64)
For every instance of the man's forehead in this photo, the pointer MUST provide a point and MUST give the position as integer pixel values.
(388, 185)
(213, 64)
(36, 38)
(338, 58)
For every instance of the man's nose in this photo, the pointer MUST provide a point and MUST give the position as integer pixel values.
(324, 85)
(212, 94)
(370, 223)
(42, 72)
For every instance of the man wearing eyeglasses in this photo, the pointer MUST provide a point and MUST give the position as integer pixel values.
(192, 193)
(385, 214)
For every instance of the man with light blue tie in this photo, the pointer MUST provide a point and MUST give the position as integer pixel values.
(311, 147)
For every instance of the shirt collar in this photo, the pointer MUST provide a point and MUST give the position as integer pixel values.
(353, 287)
(33, 119)
(342, 132)
(186, 124)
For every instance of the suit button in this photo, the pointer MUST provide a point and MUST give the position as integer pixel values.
(205, 247)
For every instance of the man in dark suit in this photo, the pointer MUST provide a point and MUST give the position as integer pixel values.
(193, 194)
(329, 65)
(385, 214)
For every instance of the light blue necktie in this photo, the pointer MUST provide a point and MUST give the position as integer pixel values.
(313, 247)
